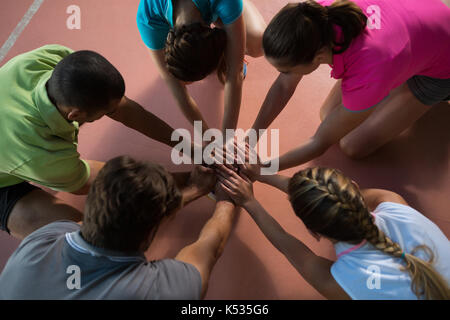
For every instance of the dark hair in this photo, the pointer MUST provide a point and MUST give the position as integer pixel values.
(329, 204)
(86, 80)
(300, 30)
(194, 51)
(126, 204)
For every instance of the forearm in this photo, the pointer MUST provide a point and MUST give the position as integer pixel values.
(232, 105)
(191, 111)
(191, 193)
(218, 228)
(136, 117)
(276, 99)
(278, 181)
(268, 225)
(308, 151)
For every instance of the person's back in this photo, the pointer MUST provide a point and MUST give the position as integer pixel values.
(55, 262)
(366, 272)
(30, 126)
(104, 257)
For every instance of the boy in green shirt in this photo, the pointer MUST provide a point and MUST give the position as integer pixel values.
(45, 95)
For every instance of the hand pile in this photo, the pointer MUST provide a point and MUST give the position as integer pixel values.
(230, 182)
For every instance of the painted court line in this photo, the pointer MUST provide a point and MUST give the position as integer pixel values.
(19, 28)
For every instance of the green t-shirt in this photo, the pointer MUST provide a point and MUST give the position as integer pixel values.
(36, 143)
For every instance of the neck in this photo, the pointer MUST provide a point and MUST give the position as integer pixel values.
(53, 101)
(328, 57)
(185, 12)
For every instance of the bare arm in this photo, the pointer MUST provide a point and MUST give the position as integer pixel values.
(277, 181)
(134, 116)
(277, 98)
(336, 125)
(196, 183)
(234, 56)
(178, 89)
(204, 253)
(314, 269)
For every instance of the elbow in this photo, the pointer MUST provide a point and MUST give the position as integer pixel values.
(319, 146)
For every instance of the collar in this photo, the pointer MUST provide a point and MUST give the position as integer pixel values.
(343, 248)
(50, 114)
(76, 241)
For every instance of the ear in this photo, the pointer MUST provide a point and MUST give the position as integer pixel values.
(76, 115)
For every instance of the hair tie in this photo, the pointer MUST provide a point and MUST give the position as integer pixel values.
(403, 255)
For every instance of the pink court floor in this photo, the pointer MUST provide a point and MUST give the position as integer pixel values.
(416, 164)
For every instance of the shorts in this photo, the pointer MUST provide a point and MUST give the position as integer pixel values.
(428, 90)
(8, 199)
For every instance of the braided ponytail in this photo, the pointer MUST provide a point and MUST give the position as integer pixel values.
(194, 51)
(300, 30)
(425, 281)
(329, 204)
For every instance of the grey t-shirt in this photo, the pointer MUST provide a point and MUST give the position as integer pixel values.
(55, 262)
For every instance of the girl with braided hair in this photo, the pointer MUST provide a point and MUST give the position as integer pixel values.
(185, 48)
(372, 231)
(391, 60)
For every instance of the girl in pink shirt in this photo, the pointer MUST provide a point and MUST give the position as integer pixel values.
(392, 59)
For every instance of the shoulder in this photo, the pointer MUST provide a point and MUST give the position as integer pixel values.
(176, 279)
(41, 240)
(51, 231)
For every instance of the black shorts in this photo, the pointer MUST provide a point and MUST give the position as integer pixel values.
(428, 90)
(8, 199)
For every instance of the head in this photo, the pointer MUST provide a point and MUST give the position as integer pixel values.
(331, 205)
(302, 35)
(85, 86)
(194, 51)
(127, 203)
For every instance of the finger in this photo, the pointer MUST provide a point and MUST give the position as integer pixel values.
(226, 189)
(245, 177)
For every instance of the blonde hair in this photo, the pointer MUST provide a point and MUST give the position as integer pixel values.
(330, 204)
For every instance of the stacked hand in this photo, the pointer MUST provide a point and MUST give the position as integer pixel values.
(234, 181)
(238, 186)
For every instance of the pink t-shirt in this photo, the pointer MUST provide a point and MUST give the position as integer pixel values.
(413, 38)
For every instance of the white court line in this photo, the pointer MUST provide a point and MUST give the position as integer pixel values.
(19, 28)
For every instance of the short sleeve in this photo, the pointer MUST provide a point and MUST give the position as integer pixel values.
(363, 96)
(60, 172)
(153, 29)
(229, 10)
(177, 280)
(51, 231)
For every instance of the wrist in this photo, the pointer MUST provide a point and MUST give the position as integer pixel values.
(225, 204)
(249, 203)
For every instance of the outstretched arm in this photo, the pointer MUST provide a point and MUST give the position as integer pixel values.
(234, 57)
(204, 253)
(313, 268)
(178, 89)
(335, 126)
(134, 116)
(277, 98)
